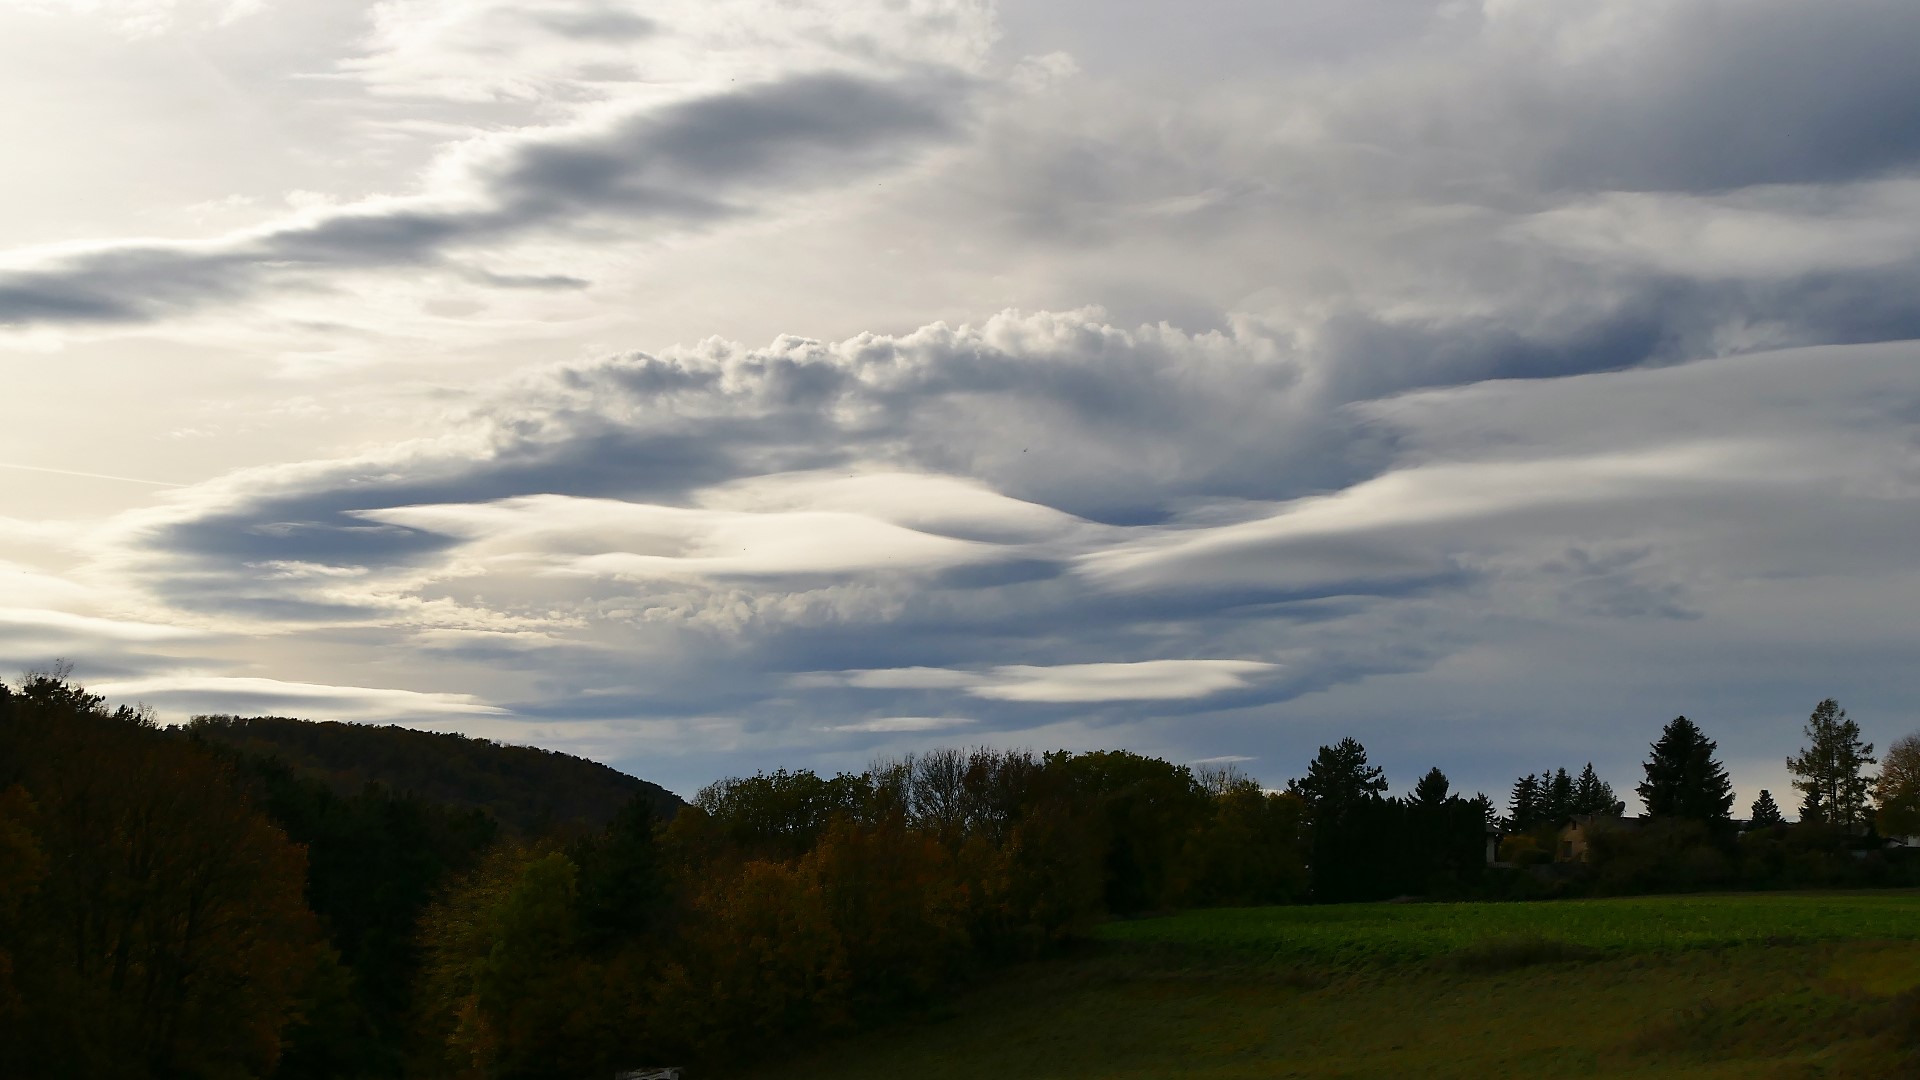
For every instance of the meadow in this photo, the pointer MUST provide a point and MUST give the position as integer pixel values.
(1723, 986)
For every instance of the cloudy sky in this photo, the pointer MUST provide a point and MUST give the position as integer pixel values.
(711, 385)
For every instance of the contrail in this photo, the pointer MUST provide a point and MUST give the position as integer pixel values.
(88, 475)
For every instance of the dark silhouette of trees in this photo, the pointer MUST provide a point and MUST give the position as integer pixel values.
(1827, 771)
(166, 934)
(527, 790)
(1525, 805)
(1898, 788)
(1683, 778)
(1592, 795)
(1431, 792)
(1765, 813)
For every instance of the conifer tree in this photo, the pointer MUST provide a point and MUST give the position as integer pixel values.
(1432, 789)
(1592, 795)
(1765, 813)
(1827, 772)
(1523, 807)
(1557, 796)
(1683, 779)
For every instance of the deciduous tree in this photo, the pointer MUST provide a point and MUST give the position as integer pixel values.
(1898, 789)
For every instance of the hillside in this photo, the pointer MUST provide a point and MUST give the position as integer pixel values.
(525, 788)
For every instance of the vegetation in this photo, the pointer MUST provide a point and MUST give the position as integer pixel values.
(1898, 788)
(1684, 780)
(1827, 773)
(242, 898)
(524, 788)
(1697, 987)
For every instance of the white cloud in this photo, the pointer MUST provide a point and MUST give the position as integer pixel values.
(139, 18)
(262, 696)
(1142, 680)
(900, 724)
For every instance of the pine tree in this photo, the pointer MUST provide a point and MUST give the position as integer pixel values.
(1765, 813)
(1557, 796)
(1339, 777)
(1827, 772)
(1683, 779)
(1432, 789)
(1592, 795)
(1523, 807)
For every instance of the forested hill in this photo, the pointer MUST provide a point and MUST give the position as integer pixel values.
(526, 789)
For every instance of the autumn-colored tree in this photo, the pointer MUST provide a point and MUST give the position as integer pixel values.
(22, 868)
(1251, 850)
(1898, 789)
(169, 933)
(507, 993)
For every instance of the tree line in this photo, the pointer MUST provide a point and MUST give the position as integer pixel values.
(175, 905)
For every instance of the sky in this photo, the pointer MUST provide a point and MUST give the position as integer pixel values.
(720, 385)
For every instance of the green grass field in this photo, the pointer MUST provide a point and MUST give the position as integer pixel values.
(1738, 986)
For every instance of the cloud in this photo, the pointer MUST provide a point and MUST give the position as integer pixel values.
(142, 18)
(674, 166)
(260, 696)
(1145, 680)
(889, 725)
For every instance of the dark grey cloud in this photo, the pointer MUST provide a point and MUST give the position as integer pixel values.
(689, 164)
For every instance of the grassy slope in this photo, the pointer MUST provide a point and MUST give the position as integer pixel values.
(1697, 987)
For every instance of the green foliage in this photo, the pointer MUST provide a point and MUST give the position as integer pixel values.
(1683, 778)
(1827, 771)
(781, 814)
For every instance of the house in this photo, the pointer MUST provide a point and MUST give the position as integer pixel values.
(1572, 842)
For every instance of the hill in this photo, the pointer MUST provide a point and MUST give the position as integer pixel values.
(525, 788)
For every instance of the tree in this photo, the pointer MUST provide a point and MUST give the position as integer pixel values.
(1431, 791)
(1765, 813)
(1898, 791)
(1341, 791)
(1557, 796)
(1339, 777)
(168, 935)
(1827, 772)
(1683, 779)
(1524, 805)
(1592, 795)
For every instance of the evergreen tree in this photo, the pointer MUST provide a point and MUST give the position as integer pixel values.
(1683, 779)
(1523, 806)
(1827, 772)
(1592, 795)
(1557, 796)
(1765, 813)
(1432, 789)
(1351, 823)
(1339, 777)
